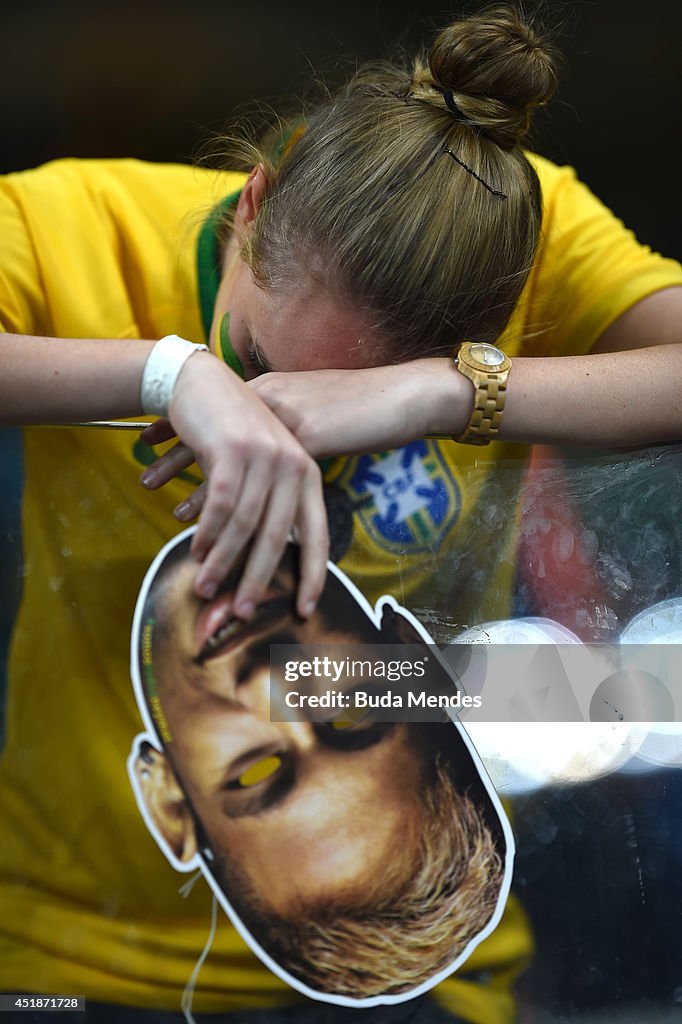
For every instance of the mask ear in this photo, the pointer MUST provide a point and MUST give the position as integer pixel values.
(397, 628)
(165, 803)
(250, 200)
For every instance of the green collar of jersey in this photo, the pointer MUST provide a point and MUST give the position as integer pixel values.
(208, 274)
(208, 257)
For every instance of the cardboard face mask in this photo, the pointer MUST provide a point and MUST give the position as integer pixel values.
(362, 855)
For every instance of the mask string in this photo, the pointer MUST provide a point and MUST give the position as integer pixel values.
(186, 889)
(188, 994)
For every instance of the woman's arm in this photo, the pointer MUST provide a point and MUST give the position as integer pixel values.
(260, 480)
(51, 380)
(627, 392)
(655, 320)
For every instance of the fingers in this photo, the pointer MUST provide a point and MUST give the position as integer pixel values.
(167, 466)
(298, 499)
(260, 483)
(189, 509)
(312, 533)
(262, 508)
(231, 512)
(267, 548)
(157, 432)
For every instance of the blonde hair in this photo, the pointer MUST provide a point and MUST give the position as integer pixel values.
(407, 195)
(407, 930)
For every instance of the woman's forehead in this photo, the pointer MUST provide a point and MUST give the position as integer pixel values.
(305, 329)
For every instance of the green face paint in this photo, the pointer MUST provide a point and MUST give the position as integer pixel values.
(230, 357)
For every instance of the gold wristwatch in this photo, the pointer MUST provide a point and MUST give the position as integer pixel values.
(488, 368)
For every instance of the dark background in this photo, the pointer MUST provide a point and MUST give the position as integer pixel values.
(152, 80)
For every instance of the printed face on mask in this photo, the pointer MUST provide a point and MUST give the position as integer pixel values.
(332, 801)
(295, 821)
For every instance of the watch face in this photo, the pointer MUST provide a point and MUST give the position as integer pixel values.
(487, 354)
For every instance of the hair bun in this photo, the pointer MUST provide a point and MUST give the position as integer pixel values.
(497, 67)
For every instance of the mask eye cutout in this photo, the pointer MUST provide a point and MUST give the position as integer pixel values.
(258, 772)
(349, 718)
(353, 735)
(355, 716)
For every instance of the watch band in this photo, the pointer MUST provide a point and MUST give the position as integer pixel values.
(488, 369)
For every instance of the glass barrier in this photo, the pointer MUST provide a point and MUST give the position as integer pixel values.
(576, 549)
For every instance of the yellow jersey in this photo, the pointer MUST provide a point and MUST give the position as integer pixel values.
(109, 249)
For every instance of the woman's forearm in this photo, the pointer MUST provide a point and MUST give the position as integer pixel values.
(614, 399)
(49, 380)
(607, 399)
(259, 481)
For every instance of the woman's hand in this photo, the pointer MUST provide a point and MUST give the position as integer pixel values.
(344, 412)
(259, 484)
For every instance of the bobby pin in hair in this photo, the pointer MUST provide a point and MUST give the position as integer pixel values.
(478, 178)
(450, 103)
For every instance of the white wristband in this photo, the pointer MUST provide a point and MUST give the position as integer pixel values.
(161, 371)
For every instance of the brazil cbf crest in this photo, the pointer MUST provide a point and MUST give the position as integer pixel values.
(407, 498)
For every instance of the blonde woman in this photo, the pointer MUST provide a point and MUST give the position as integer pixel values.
(401, 268)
